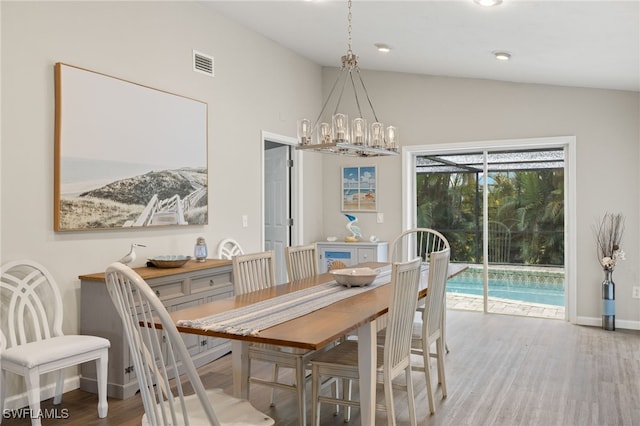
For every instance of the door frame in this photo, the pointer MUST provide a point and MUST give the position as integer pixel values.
(295, 186)
(568, 143)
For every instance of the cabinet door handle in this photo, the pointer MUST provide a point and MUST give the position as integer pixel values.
(211, 283)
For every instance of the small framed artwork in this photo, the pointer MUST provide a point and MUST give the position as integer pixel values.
(359, 190)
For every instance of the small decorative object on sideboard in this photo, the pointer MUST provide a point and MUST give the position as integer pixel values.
(131, 256)
(170, 261)
(608, 232)
(200, 250)
(356, 234)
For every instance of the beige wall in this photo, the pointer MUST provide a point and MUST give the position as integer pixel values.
(441, 110)
(262, 87)
(258, 86)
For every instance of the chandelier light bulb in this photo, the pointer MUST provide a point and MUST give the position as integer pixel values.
(488, 3)
(502, 56)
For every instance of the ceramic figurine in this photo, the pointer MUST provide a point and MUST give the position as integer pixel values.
(131, 256)
(356, 234)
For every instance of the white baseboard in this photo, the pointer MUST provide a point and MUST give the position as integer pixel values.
(597, 322)
(15, 402)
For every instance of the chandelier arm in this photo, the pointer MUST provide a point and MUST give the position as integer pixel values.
(366, 92)
(344, 83)
(355, 93)
(326, 101)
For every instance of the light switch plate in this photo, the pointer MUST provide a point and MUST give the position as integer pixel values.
(380, 218)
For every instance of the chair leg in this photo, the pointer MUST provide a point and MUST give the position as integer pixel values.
(346, 395)
(101, 372)
(276, 373)
(388, 398)
(427, 376)
(32, 380)
(441, 373)
(412, 403)
(57, 398)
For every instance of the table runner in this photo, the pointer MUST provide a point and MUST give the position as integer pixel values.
(250, 319)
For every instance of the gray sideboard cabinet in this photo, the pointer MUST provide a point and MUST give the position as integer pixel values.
(193, 284)
(350, 253)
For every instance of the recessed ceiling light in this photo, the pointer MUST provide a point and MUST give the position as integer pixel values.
(488, 3)
(382, 47)
(502, 56)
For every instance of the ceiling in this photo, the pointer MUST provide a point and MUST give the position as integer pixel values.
(578, 43)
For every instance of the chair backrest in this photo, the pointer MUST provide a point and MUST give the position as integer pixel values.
(156, 354)
(433, 313)
(228, 248)
(499, 242)
(253, 271)
(302, 261)
(405, 283)
(30, 304)
(416, 242)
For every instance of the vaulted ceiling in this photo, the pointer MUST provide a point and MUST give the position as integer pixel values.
(570, 43)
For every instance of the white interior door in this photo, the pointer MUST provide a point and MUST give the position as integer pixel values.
(277, 204)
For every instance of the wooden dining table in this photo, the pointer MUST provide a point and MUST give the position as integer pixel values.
(312, 331)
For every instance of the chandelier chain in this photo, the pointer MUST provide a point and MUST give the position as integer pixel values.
(349, 26)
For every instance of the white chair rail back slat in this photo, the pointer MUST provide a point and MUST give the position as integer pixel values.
(302, 261)
(253, 272)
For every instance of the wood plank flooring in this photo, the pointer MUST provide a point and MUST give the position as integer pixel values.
(502, 370)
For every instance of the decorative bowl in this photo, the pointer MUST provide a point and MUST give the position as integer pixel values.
(171, 261)
(355, 277)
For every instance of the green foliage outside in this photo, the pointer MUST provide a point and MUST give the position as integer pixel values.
(529, 203)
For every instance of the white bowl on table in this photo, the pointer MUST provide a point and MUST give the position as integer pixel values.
(355, 277)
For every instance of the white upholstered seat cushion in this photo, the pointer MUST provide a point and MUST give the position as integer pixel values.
(230, 411)
(44, 351)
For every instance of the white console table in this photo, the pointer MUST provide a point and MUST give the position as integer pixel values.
(350, 253)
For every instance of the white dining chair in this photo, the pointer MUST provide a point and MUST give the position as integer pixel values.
(31, 338)
(159, 354)
(416, 242)
(429, 330)
(419, 242)
(256, 271)
(302, 261)
(228, 248)
(393, 359)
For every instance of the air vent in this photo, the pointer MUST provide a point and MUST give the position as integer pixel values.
(203, 63)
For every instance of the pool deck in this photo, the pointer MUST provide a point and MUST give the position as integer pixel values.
(504, 306)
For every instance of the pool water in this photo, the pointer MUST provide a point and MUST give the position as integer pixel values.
(527, 286)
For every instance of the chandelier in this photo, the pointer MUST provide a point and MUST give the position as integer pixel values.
(356, 137)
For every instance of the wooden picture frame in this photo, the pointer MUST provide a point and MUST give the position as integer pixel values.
(126, 155)
(359, 188)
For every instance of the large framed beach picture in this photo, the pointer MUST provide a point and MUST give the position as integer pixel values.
(359, 191)
(126, 155)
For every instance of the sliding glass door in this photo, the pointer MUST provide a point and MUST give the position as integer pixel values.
(503, 213)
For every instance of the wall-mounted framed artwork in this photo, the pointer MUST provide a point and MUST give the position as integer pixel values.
(126, 155)
(359, 190)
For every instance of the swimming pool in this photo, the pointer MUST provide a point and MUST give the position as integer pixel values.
(535, 286)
